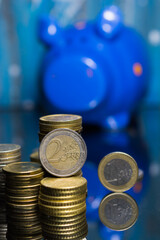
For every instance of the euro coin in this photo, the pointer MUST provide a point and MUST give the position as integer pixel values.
(34, 157)
(22, 168)
(118, 171)
(118, 211)
(62, 221)
(63, 186)
(61, 120)
(71, 197)
(77, 235)
(62, 202)
(7, 150)
(62, 152)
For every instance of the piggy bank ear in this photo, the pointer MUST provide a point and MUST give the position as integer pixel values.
(49, 31)
(110, 22)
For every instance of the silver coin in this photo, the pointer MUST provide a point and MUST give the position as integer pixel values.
(118, 211)
(114, 166)
(118, 171)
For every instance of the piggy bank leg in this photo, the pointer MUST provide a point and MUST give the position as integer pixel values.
(117, 121)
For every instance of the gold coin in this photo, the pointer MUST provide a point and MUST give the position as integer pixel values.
(63, 220)
(34, 157)
(11, 236)
(80, 174)
(22, 168)
(25, 231)
(62, 202)
(18, 201)
(118, 171)
(66, 233)
(25, 187)
(63, 197)
(24, 177)
(118, 211)
(18, 184)
(62, 152)
(25, 192)
(10, 159)
(74, 235)
(62, 213)
(64, 186)
(61, 118)
(22, 206)
(24, 218)
(64, 229)
(9, 149)
(62, 208)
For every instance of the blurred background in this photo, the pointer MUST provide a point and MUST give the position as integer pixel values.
(21, 53)
(22, 101)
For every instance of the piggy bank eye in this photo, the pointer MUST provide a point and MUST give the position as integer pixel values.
(110, 22)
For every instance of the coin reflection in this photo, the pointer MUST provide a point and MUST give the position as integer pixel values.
(118, 211)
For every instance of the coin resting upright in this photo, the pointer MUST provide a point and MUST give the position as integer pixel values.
(118, 171)
(62, 152)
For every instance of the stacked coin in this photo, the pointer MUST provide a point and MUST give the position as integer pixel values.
(62, 204)
(22, 188)
(51, 122)
(8, 153)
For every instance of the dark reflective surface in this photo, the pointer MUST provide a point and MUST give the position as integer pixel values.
(141, 142)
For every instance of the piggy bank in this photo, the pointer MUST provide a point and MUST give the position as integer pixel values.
(97, 69)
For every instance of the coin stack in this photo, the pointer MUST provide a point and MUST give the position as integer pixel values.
(8, 153)
(52, 122)
(62, 204)
(22, 188)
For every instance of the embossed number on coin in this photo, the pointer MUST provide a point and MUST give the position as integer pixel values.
(63, 152)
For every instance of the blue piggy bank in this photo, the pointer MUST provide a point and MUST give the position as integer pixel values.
(98, 70)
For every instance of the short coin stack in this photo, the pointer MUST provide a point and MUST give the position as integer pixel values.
(22, 188)
(8, 153)
(62, 203)
(52, 122)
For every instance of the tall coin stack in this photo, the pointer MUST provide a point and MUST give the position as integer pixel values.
(22, 188)
(62, 200)
(8, 153)
(62, 203)
(52, 122)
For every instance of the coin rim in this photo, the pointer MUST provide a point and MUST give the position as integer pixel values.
(44, 161)
(120, 155)
(129, 199)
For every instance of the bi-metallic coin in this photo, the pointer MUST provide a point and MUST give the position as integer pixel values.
(118, 171)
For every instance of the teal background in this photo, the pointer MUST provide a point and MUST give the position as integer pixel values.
(21, 53)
